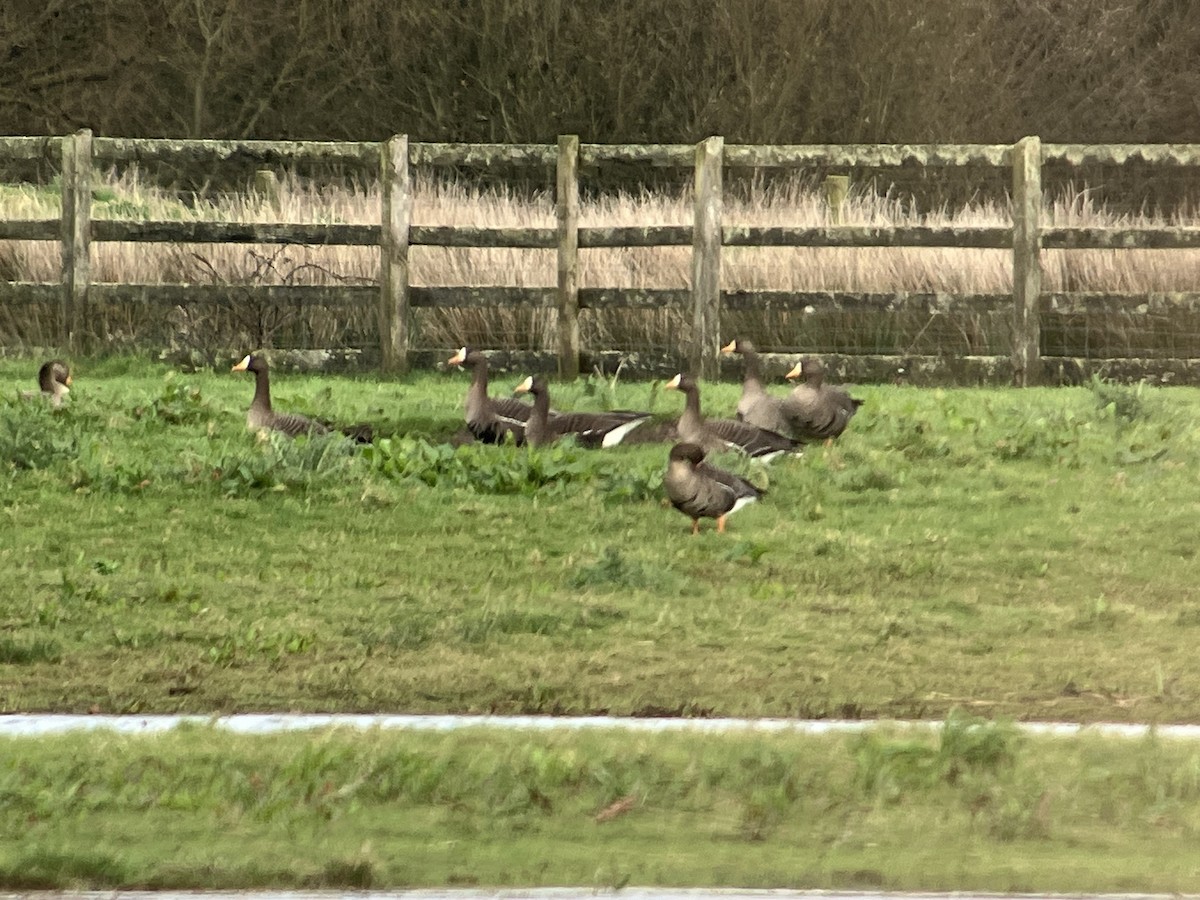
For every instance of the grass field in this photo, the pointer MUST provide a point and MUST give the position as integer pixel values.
(1027, 554)
(999, 553)
(966, 807)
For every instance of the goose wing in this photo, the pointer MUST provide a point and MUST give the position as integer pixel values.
(759, 443)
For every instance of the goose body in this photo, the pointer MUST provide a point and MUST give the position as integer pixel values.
(491, 420)
(699, 490)
(602, 429)
(756, 406)
(54, 382)
(262, 417)
(725, 434)
(815, 410)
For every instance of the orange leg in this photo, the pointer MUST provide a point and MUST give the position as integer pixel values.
(695, 526)
(721, 524)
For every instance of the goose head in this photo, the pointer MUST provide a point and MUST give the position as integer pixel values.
(530, 385)
(810, 369)
(738, 345)
(250, 363)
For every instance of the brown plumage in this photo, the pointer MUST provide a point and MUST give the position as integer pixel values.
(491, 420)
(816, 410)
(260, 416)
(700, 490)
(725, 434)
(54, 382)
(756, 406)
(598, 429)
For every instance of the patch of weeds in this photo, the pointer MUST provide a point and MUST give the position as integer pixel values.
(178, 404)
(1126, 403)
(867, 478)
(612, 571)
(629, 483)
(915, 438)
(256, 642)
(356, 874)
(403, 631)
(22, 653)
(481, 468)
(1050, 437)
(42, 869)
(97, 468)
(888, 768)
(747, 551)
(1097, 614)
(492, 622)
(33, 435)
(280, 463)
(508, 469)
(771, 784)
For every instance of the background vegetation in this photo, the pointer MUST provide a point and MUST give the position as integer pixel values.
(756, 71)
(204, 331)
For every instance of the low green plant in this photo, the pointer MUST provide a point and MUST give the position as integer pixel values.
(279, 463)
(35, 436)
(178, 404)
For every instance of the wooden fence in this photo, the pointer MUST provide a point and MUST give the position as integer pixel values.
(395, 234)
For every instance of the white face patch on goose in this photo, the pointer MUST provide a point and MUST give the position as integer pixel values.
(459, 357)
(673, 384)
(243, 365)
(525, 386)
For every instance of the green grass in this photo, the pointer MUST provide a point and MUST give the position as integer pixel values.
(1012, 554)
(1024, 554)
(971, 806)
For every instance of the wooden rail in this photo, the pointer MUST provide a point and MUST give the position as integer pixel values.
(394, 159)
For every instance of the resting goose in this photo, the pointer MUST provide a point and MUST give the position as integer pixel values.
(724, 434)
(816, 410)
(605, 429)
(700, 490)
(54, 382)
(261, 417)
(489, 419)
(756, 406)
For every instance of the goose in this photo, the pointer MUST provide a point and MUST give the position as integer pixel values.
(54, 382)
(700, 490)
(604, 429)
(756, 406)
(261, 417)
(816, 410)
(489, 419)
(725, 434)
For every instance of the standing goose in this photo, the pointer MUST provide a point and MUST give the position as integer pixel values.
(261, 417)
(489, 419)
(816, 410)
(700, 490)
(756, 406)
(54, 382)
(605, 429)
(725, 434)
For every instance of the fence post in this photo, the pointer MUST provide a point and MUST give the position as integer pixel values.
(1027, 262)
(567, 212)
(396, 202)
(706, 259)
(76, 235)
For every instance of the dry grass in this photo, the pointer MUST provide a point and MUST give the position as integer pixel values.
(791, 202)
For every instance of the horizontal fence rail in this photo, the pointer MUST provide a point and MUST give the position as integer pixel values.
(392, 163)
